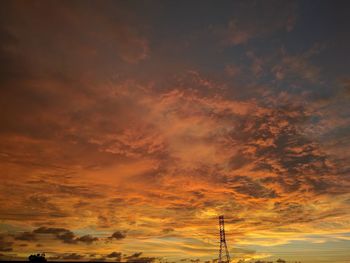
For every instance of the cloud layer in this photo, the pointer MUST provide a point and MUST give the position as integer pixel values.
(113, 148)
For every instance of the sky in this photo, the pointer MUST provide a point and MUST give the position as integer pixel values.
(128, 127)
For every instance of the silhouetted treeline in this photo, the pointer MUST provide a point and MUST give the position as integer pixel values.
(38, 258)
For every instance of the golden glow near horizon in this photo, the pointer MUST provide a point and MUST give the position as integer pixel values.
(127, 128)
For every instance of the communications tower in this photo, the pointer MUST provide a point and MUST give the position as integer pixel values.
(224, 256)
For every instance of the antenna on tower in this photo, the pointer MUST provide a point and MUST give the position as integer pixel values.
(223, 244)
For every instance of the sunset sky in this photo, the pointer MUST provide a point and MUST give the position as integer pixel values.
(128, 127)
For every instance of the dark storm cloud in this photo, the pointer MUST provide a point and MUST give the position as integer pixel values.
(50, 230)
(135, 255)
(118, 235)
(87, 239)
(115, 255)
(65, 235)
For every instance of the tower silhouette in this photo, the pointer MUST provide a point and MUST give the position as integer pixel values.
(223, 245)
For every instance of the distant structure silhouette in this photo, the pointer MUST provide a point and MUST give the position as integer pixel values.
(38, 258)
(223, 245)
